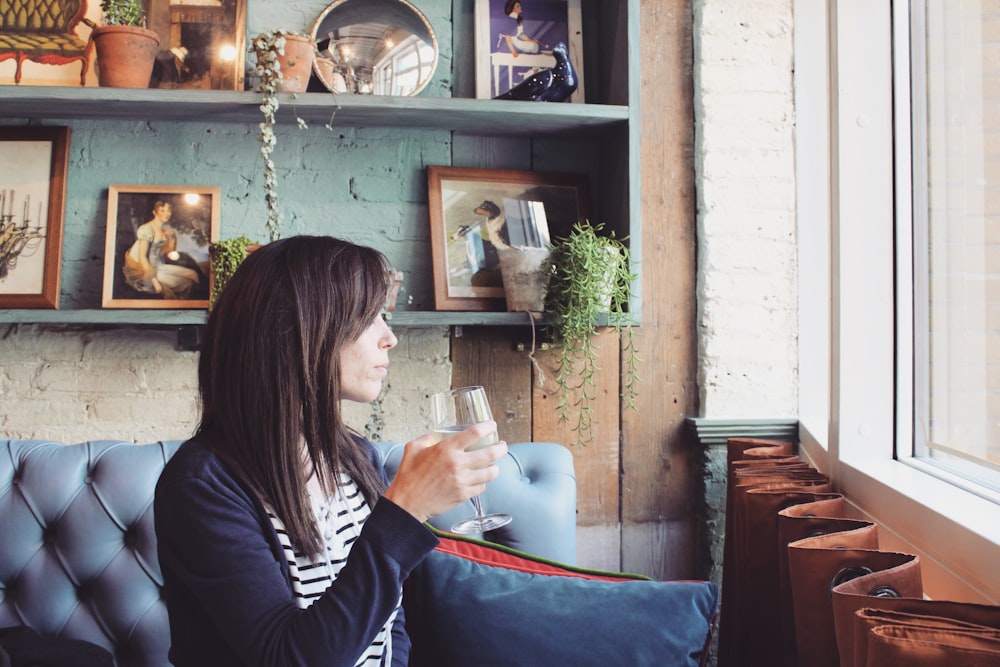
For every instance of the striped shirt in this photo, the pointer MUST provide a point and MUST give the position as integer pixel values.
(340, 518)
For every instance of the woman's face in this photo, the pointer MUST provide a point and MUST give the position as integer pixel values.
(364, 363)
(163, 212)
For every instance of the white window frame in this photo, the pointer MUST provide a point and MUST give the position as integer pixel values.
(848, 201)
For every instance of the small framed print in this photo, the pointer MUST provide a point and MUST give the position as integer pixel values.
(514, 39)
(475, 213)
(33, 165)
(202, 43)
(156, 249)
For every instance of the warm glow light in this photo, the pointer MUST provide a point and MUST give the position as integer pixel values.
(389, 43)
(346, 52)
(191, 198)
(228, 53)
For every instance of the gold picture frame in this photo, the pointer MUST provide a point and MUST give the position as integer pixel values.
(157, 245)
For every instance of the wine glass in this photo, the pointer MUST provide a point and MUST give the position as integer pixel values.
(452, 412)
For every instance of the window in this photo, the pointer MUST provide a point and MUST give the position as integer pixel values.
(955, 90)
(870, 182)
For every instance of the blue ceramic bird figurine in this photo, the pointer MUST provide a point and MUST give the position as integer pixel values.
(549, 85)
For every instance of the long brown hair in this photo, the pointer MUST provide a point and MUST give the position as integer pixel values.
(269, 372)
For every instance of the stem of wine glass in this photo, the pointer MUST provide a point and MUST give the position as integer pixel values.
(478, 504)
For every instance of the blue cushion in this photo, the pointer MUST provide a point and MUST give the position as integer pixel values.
(462, 612)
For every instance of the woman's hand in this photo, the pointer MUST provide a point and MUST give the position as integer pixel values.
(433, 478)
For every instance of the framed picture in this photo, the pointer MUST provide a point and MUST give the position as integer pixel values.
(48, 43)
(156, 252)
(202, 44)
(514, 39)
(33, 164)
(474, 213)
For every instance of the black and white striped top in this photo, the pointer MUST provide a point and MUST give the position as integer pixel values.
(340, 518)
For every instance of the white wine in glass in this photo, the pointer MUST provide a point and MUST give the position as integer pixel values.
(452, 412)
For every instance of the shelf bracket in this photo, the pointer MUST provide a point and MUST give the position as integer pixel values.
(189, 337)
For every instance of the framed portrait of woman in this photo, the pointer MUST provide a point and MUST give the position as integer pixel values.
(515, 38)
(156, 249)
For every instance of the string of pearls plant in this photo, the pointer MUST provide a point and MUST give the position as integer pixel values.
(267, 47)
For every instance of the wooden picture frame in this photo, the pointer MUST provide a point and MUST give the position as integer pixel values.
(202, 45)
(157, 257)
(542, 24)
(474, 211)
(33, 166)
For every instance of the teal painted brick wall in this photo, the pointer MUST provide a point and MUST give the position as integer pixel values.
(368, 186)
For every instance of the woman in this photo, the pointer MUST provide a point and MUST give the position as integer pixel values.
(153, 265)
(520, 42)
(278, 539)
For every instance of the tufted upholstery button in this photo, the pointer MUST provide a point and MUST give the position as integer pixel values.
(130, 537)
(84, 591)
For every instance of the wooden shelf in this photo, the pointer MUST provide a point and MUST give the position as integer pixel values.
(171, 318)
(601, 140)
(483, 117)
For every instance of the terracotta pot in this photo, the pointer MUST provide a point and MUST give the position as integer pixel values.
(125, 55)
(525, 274)
(296, 64)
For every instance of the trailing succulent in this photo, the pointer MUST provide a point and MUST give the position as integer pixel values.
(590, 280)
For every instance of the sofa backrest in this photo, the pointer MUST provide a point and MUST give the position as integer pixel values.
(41, 16)
(77, 546)
(536, 486)
(78, 550)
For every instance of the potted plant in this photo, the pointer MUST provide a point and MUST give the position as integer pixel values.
(590, 281)
(226, 256)
(284, 64)
(126, 50)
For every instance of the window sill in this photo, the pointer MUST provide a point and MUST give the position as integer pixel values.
(956, 533)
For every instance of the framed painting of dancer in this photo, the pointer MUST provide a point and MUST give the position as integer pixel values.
(157, 243)
(33, 166)
(475, 214)
(515, 39)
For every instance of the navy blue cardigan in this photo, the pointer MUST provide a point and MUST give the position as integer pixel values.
(227, 586)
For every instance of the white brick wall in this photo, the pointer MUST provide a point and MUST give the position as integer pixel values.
(133, 384)
(744, 162)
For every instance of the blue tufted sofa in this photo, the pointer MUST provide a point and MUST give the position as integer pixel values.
(78, 552)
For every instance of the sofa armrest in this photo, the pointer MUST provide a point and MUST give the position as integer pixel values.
(537, 486)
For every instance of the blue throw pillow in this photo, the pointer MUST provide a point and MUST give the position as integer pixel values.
(461, 612)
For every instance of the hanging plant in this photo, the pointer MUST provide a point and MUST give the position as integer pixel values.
(226, 256)
(269, 49)
(591, 279)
